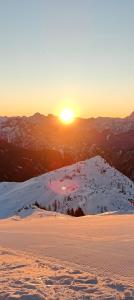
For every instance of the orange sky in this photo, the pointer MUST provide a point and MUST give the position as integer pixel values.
(59, 53)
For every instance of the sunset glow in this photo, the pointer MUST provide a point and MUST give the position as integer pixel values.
(67, 116)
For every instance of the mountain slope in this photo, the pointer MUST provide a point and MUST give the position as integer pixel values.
(92, 185)
(19, 164)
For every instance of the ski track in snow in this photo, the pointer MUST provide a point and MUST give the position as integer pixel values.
(29, 277)
(60, 257)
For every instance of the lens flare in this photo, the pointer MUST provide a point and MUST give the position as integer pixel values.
(66, 187)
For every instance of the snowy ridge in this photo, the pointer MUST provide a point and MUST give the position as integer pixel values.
(92, 185)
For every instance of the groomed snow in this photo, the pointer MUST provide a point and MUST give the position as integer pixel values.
(58, 257)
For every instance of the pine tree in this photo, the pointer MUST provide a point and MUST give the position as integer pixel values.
(49, 207)
(79, 212)
(37, 204)
(55, 205)
(72, 212)
(68, 211)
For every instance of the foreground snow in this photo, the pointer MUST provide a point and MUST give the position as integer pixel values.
(60, 257)
(91, 185)
(30, 277)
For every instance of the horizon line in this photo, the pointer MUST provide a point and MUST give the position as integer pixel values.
(56, 116)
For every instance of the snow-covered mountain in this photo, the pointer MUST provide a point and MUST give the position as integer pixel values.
(27, 130)
(111, 138)
(38, 131)
(91, 186)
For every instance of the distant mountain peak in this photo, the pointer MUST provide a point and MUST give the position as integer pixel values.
(131, 115)
(38, 115)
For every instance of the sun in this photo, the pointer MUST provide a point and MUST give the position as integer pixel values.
(67, 116)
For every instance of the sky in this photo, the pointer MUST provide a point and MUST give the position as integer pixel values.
(67, 53)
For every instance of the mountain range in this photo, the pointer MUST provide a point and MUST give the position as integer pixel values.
(30, 146)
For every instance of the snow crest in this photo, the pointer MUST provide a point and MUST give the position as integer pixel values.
(92, 186)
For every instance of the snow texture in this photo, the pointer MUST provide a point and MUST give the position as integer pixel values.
(58, 257)
(93, 185)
